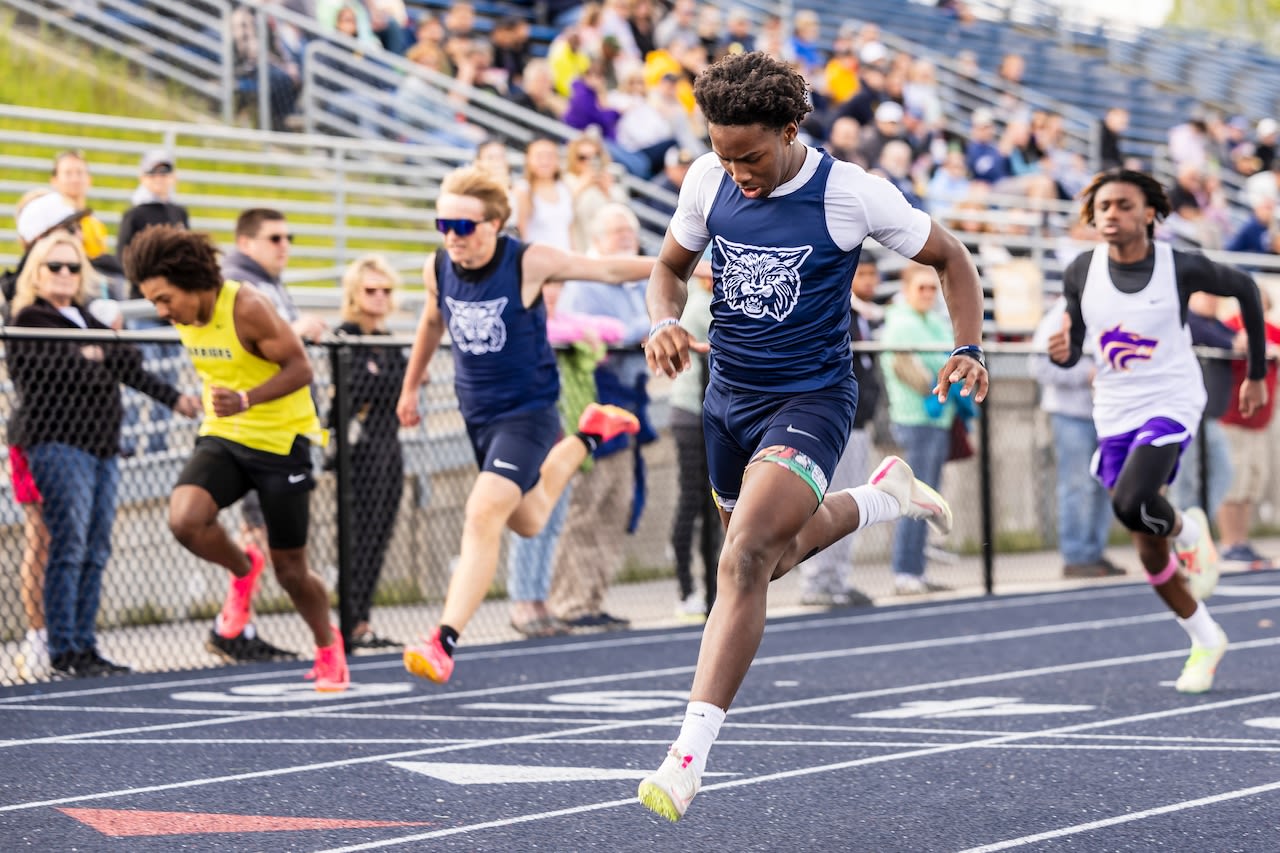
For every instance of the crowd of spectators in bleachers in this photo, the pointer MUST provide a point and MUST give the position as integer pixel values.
(623, 69)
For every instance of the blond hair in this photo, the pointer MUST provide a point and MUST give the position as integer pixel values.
(24, 292)
(352, 281)
(478, 184)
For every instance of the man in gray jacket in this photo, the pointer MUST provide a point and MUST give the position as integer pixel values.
(259, 259)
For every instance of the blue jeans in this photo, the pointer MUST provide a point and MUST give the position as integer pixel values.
(925, 448)
(529, 559)
(162, 361)
(1185, 491)
(79, 491)
(1084, 507)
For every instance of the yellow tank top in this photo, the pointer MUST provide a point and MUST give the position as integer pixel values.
(220, 359)
(94, 236)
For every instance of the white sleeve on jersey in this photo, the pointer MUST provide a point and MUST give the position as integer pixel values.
(861, 205)
(689, 222)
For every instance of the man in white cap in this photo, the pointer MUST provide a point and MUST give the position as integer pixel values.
(873, 65)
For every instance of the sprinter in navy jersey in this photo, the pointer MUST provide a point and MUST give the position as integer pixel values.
(486, 288)
(785, 224)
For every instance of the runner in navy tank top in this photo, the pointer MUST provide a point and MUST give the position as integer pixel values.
(785, 225)
(1129, 296)
(487, 290)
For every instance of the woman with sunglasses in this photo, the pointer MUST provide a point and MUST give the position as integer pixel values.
(369, 286)
(487, 289)
(70, 414)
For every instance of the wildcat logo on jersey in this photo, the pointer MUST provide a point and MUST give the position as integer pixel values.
(477, 327)
(761, 281)
(1119, 347)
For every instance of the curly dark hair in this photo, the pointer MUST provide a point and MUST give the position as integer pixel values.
(187, 259)
(752, 88)
(1152, 192)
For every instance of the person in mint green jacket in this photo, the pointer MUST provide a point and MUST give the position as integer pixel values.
(919, 426)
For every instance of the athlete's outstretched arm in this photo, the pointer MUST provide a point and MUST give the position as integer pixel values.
(667, 349)
(425, 342)
(265, 334)
(963, 292)
(542, 264)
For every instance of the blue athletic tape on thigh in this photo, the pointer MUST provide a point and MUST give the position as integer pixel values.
(796, 462)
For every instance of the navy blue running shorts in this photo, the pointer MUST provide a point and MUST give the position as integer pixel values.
(805, 431)
(515, 447)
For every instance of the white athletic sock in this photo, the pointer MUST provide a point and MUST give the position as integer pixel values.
(874, 506)
(1190, 533)
(700, 729)
(1201, 627)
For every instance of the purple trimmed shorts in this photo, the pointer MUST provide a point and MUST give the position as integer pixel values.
(1113, 450)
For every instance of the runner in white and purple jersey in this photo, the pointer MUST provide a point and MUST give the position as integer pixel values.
(1128, 300)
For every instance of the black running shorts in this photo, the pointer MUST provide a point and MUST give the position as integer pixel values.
(227, 470)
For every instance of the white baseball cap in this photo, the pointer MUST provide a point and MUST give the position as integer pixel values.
(889, 111)
(873, 53)
(41, 215)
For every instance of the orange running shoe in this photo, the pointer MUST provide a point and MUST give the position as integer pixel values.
(237, 606)
(608, 422)
(330, 672)
(428, 659)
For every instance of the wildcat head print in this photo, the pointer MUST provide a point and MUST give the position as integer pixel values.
(477, 327)
(761, 281)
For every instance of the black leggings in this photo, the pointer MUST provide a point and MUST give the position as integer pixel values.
(693, 504)
(1136, 498)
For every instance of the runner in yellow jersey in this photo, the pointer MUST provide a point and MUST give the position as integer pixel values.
(257, 432)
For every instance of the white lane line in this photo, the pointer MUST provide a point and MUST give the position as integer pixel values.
(788, 660)
(826, 768)
(1127, 818)
(664, 720)
(223, 676)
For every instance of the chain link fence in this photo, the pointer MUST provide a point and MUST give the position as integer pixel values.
(391, 522)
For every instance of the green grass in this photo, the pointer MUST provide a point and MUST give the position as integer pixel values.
(33, 79)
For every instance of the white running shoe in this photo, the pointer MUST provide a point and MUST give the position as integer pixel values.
(1197, 672)
(669, 791)
(33, 659)
(692, 608)
(1200, 561)
(919, 501)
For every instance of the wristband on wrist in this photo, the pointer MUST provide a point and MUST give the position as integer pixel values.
(244, 401)
(662, 324)
(973, 351)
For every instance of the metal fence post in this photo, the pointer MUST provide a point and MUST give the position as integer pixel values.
(227, 75)
(264, 70)
(988, 517)
(340, 416)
